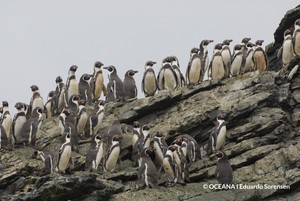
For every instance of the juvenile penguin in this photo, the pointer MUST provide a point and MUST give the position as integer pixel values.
(7, 121)
(36, 99)
(82, 118)
(287, 48)
(249, 63)
(296, 38)
(147, 173)
(64, 155)
(237, 61)
(195, 71)
(166, 78)
(3, 139)
(112, 155)
(97, 82)
(118, 88)
(115, 130)
(217, 137)
(84, 87)
(129, 85)
(204, 54)
(18, 121)
(95, 154)
(47, 158)
(96, 119)
(226, 54)
(160, 148)
(71, 84)
(50, 104)
(260, 57)
(170, 167)
(149, 82)
(224, 173)
(176, 67)
(217, 68)
(60, 95)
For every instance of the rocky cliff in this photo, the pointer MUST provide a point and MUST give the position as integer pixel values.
(263, 120)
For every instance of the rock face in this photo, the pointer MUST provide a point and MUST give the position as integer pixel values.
(263, 120)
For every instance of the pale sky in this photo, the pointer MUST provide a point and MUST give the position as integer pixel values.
(40, 40)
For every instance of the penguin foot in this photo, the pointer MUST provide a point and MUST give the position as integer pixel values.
(170, 184)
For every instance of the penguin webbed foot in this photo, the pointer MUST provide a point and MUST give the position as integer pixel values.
(170, 184)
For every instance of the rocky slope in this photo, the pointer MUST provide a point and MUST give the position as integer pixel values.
(263, 120)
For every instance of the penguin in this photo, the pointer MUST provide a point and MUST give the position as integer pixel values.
(217, 68)
(18, 121)
(149, 82)
(36, 99)
(244, 43)
(96, 119)
(170, 167)
(112, 155)
(296, 38)
(135, 133)
(111, 91)
(217, 137)
(74, 104)
(181, 164)
(147, 173)
(118, 88)
(160, 148)
(287, 48)
(62, 120)
(237, 61)
(31, 127)
(47, 158)
(195, 71)
(64, 155)
(129, 85)
(115, 130)
(7, 121)
(249, 63)
(70, 129)
(3, 139)
(226, 54)
(204, 54)
(84, 87)
(176, 67)
(224, 173)
(95, 154)
(82, 118)
(137, 143)
(71, 84)
(97, 82)
(259, 57)
(60, 95)
(50, 104)
(166, 78)
(146, 135)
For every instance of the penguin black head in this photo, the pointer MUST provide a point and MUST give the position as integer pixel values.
(287, 32)
(148, 151)
(195, 50)
(34, 88)
(221, 116)
(246, 40)
(19, 105)
(51, 94)
(111, 69)
(130, 73)
(74, 98)
(297, 22)
(146, 127)
(116, 138)
(172, 148)
(86, 77)
(66, 112)
(98, 138)
(98, 64)
(101, 102)
(218, 46)
(40, 110)
(73, 68)
(136, 124)
(178, 140)
(227, 41)
(150, 63)
(4, 104)
(159, 134)
(250, 45)
(259, 42)
(58, 79)
(1, 110)
(205, 42)
(82, 102)
(221, 155)
(237, 47)
(68, 136)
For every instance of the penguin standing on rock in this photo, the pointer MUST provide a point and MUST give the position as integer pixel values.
(115, 130)
(259, 57)
(3, 139)
(7, 121)
(64, 155)
(224, 173)
(129, 85)
(195, 70)
(36, 99)
(60, 95)
(95, 154)
(160, 148)
(149, 82)
(204, 54)
(170, 167)
(176, 67)
(97, 82)
(84, 88)
(117, 86)
(72, 84)
(217, 68)
(226, 54)
(296, 38)
(50, 104)
(167, 78)
(96, 119)
(112, 155)
(287, 48)
(249, 63)
(47, 158)
(18, 121)
(82, 118)
(237, 61)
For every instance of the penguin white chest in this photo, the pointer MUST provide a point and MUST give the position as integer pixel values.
(221, 138)
(73, 88)
(38, 102)
(170, 79)
(287, 51)
(194, 74)
(7, 122)
(82, 122)
(297, 43)
(18, 126)
(236, 65)
(150, 83)
(218, 71)
(99, 155)
(159, 157)
(64, 158)
(226, 56)
(99, 85)
(112, 159)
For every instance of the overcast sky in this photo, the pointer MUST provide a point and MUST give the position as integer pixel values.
(42, 39)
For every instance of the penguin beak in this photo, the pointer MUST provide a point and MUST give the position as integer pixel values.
(210, 41)
(106, 67)
(135, 71)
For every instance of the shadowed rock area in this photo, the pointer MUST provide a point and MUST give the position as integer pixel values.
(263, 119)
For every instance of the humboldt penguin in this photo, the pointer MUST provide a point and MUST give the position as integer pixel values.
(296, 38)
(176, 67)
(259, 57)
(7, 121)
(62, 120)
(3, 139)
(237, 61)
(60, 95)
(96, 119)
(147, 173)
(181, 163)
(84, 88)
(71, 130)
(112, 156)
(149, 82)
(170, 167)
(111, 91)
(135, 132)
(71, 84)
(115, 130)
(137, 142)
(18, 121)
(146, 135)
(47, 158)
(50, 104)
(287, 48)
(129, 85)
(118, 87)
(95, 154)
(36, 99)
(195, 71)
(97, 82)
(160, 148)
(226, 54)
(82, 118)
(217, 70)
(204, 54)
(166, 78)
(244, 43)
(31, 127)
(64, 155)
(224, 173)
(249, 63)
